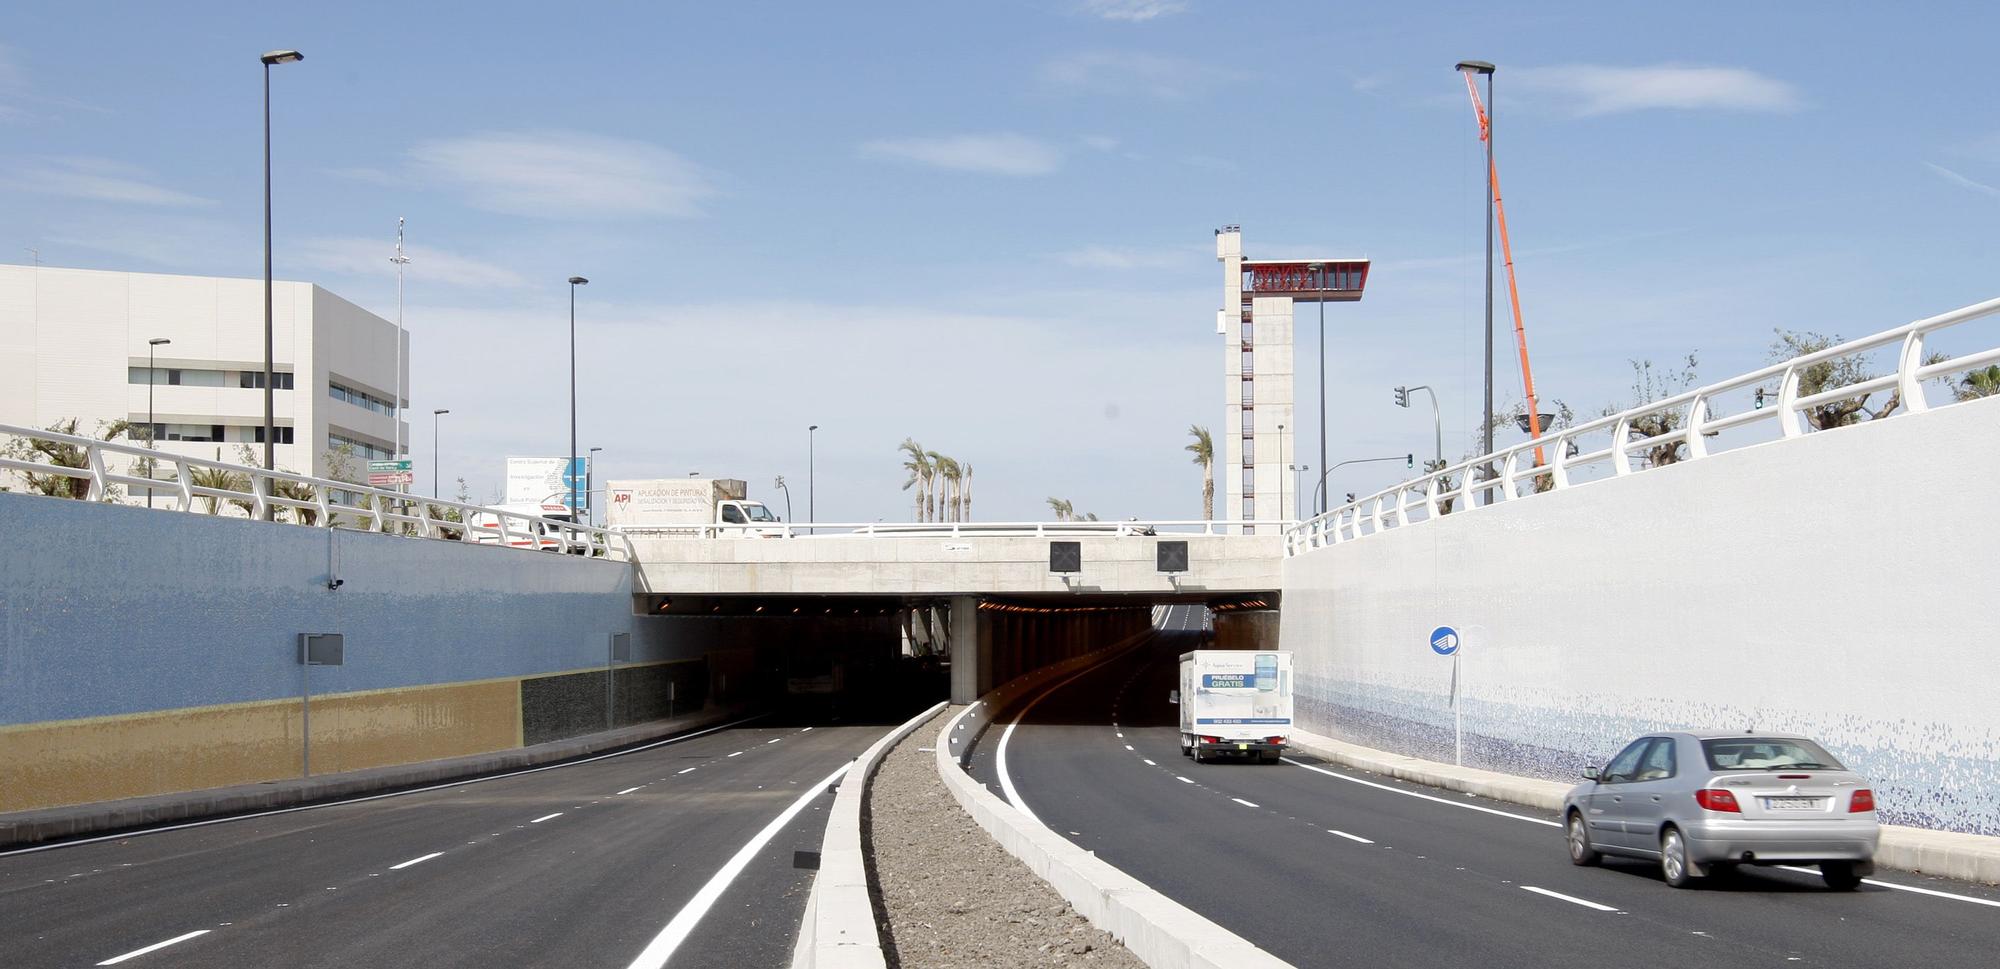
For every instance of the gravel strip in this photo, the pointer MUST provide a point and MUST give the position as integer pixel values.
(947, 894)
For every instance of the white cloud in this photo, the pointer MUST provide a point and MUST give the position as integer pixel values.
(1100, 142)
(1595, 89)
(1114, 257)
(565, 175)
(1132, 11)
(370, 257)
(991, 154)
(1134, 73)
(1962, 182)
(102, 180)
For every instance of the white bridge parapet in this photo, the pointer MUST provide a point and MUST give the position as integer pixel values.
(984, 558)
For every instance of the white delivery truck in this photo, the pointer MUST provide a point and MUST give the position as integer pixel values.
(1235, 702)
(695, 507)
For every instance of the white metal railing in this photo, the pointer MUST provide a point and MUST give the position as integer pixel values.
(307, 500)
(1569, 453)
(957, 529)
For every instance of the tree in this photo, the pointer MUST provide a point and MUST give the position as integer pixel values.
(1203, 449)
(1063, 509)
(965, 495)
(1984, 382)
(1648, 385)
(220, 479)
(1834, 374)
(918, 464)
(944, 471)
(63, 455)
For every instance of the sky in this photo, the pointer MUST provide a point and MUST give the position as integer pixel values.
(989, 227)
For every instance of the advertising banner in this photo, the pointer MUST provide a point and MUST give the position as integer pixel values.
(535, 480)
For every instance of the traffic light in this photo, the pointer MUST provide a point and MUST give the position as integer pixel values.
(1402, 397)
(1410, 459)
(1760, 400)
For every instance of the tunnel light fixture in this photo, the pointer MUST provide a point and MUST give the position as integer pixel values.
(1065, 558)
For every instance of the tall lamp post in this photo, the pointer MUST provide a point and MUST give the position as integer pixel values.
(1482, 67)
(570, 469)
(1437, 419)
(1319, 269)
(152, 430)
(1410, 459)
(270, 425)
(1281, 478)
(434, 449)
(589, 469)
(811, 515)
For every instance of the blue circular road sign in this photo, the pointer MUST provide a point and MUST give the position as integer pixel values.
(1444, 640)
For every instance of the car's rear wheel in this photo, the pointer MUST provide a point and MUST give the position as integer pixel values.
(1674, 859)
(1578, 835)
(1840, 875)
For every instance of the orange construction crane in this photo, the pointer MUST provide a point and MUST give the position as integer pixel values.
(1507, 253)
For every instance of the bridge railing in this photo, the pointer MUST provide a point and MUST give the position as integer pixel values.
(1682, 427)
(294, 498)
(956, 529)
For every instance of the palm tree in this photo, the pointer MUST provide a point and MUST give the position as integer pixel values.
(965, 496)
(949, 474)
(1063, 509)
(919, 467)
(1984, 382)
(1203, 450)
(220, 479)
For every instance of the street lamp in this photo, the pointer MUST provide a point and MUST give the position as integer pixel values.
(570, 470)
(1409, 459)
(1320, 269)
(1437, 420)
(270, 424)
(434, 449)
(152, 429)
(1486, 435)
(589, 469)
(1281, 478)
(811, 516)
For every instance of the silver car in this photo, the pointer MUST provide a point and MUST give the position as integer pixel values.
(1704, 803)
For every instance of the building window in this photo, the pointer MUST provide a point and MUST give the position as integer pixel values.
(1249, 480)
(176, 377)
(283, 434)
(1249, 332)
(1249, 365)
(1248, 397)
(1249, 508)
(173, 378)
(360, 398)
(254, 380)
(360, 449)
(187, 432)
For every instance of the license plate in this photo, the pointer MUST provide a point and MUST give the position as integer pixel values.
(1242, 746)
(1793, 803)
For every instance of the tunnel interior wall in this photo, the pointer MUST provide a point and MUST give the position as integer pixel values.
(1840, 585)
(145, 652)
(1017, 640)
(1247, 629)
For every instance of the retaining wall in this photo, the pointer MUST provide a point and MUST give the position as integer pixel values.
(1841, 585)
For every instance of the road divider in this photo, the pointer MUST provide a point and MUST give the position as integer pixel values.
(839, 928)
(1161, 932)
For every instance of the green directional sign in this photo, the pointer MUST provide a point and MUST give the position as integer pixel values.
(387, 467)
(386, 474)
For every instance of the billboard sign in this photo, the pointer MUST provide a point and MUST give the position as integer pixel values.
(535, 480)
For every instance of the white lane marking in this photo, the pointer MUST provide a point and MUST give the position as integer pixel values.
(1573, 900)
(1182, 779)
(658, 951)
(1350, 837)
(737, 754)
(685, 771)
(1000, 755)
(1121, 735)
(547, 817)
(155, 947)
(1243, 802)
(628, 790)
(1149, 763)
(1426, 797)
(773, 740)
(1128, 746)
(1904, 888)
(416, 861)
(377, 797)
(806, 730)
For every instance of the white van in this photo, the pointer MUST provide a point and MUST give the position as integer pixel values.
(485, 526)
(1235, 702)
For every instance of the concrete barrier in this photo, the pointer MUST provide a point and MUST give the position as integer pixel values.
(838, 930)
(1969, 857)
(28, 828)
(1161, 932)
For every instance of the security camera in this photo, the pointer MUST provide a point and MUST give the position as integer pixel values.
(335, 583)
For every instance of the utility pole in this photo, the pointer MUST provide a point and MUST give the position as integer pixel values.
(400, 260)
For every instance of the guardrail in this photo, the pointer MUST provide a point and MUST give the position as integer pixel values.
(305, 500)
(1567, 457)
(951, 529)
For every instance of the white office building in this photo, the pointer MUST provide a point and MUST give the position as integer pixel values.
(74, 344)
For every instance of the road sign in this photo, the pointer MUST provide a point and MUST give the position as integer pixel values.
(384, 474)
(1444, 640)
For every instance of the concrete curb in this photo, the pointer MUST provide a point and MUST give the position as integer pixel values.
(838, 930)
(1950, 854)
(29, 828)
(1161, 932)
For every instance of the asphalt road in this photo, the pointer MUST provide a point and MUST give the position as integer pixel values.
(1325, 866)
(577, 866)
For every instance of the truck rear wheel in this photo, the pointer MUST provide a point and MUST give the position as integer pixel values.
(1270, 757)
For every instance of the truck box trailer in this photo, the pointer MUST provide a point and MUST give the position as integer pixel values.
(707, 507)
(1235, 702)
